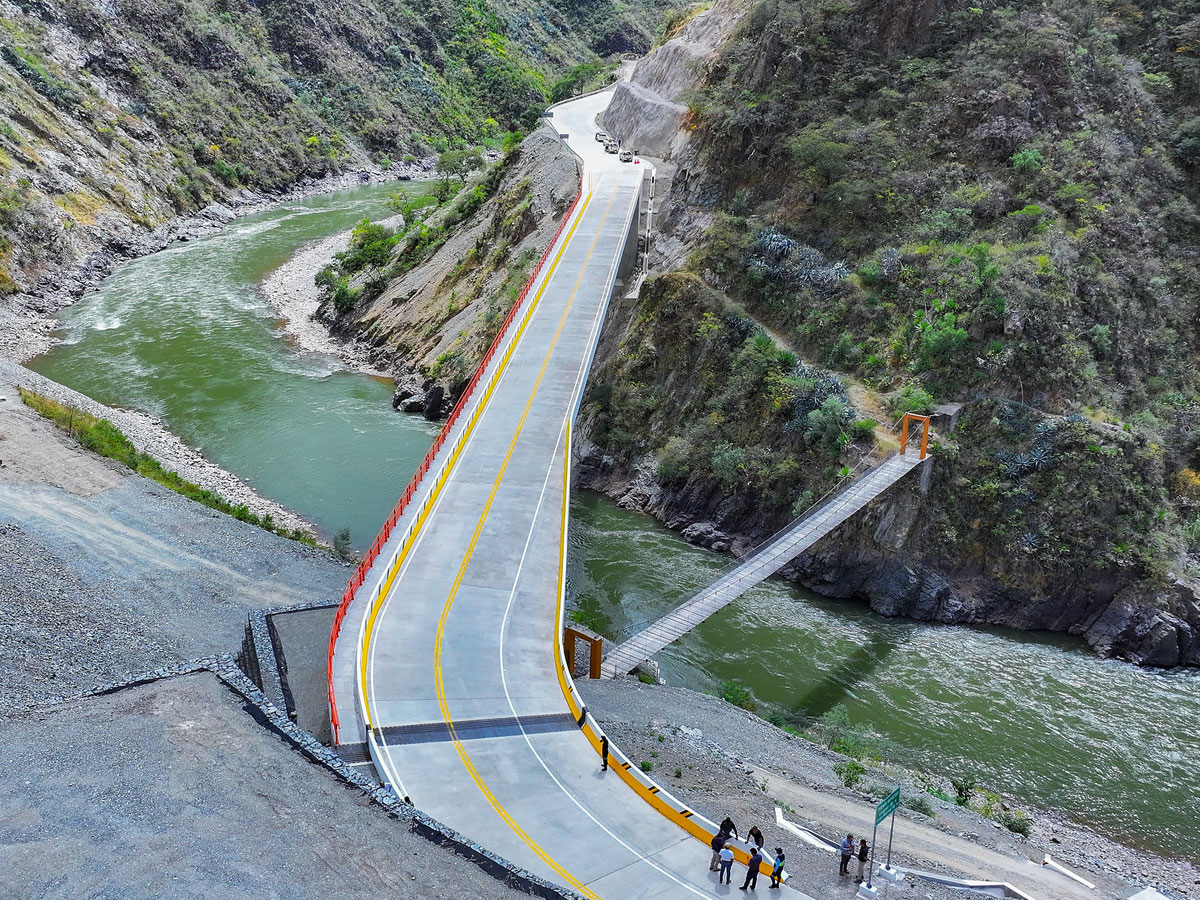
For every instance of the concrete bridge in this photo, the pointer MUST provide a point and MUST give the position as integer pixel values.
(446, 665)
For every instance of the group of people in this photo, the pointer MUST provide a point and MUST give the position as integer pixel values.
(848, 853)
(722, 857)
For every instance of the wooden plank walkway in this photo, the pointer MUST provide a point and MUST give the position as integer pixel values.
(763, 562)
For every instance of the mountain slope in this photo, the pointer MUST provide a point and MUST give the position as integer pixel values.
(984, 204)
(116, 117)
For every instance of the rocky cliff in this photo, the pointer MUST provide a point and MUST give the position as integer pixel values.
(649, 110)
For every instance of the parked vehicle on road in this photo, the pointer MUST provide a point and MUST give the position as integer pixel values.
(610, 146)
(626, 156)
(602, 137)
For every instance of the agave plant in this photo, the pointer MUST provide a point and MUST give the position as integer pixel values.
(1042, 457)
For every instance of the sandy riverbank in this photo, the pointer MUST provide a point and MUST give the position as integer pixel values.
(293, 293)
(724, 760)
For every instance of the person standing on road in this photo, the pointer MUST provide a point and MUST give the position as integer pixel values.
(717, 843)
(777, 868)
(604, 753)
(863, 853)
(751, 881)
(754, 836)
(726, 872)
(847, 852)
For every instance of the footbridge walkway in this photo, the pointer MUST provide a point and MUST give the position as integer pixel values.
(446, 666)
(763, 562)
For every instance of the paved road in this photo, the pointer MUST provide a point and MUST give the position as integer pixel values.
(461, 671)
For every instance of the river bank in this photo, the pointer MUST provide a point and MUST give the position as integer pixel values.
(726, 760)
(292, 291)
(28, 321)
(151, 436)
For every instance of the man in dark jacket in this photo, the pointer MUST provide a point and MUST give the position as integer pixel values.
(751, 881)
(716, 843)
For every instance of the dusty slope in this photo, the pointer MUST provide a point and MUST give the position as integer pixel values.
(172, 789)
(103, 573)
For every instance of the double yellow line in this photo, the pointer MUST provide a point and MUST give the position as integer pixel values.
(462, 570)
(444, 474)
(457, 583)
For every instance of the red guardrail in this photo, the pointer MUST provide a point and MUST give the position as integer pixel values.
(368, 559)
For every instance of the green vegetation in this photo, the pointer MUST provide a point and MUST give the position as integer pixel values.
(742, 414)
(341, 543)
(216, 96)
(102, 437)
(1016, 821)
(1028, 252)
(851, 772)
(732, 692)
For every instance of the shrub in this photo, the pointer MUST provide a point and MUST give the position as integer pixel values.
(1016, 821)
(827, 423)
(344, 297)
(864, 430)
(851, 772)
(341, 543)
(918, 803)
(647, 765)
(913, 398)
(964, 787)
(732, 692)
(1027, 218)
(1027, 161)
(728, 463)
(835, 722)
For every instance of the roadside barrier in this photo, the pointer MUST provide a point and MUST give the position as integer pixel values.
(381, 539)
(621, 765)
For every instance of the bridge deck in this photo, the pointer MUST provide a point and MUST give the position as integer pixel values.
(468, 716)
(762, 563)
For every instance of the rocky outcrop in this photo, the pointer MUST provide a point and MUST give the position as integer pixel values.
(432, 323)
(648, 111)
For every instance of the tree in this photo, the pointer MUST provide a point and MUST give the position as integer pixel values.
(455, 164)
(459, 163)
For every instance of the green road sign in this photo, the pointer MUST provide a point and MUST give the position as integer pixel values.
(887, 806)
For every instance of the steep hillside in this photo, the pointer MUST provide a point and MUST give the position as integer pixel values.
(118, 117)
(992, 205)
(430, 298)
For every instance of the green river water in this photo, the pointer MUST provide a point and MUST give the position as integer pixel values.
(186, 335)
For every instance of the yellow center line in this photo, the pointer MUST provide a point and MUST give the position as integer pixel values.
(441, 630)
(468, 429)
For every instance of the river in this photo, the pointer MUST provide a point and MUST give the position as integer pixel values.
(186, 335)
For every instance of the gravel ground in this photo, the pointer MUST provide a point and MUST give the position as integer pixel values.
(732, 762)
(147, 433)
(103, 572)
(291, 290)
(171, 789)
